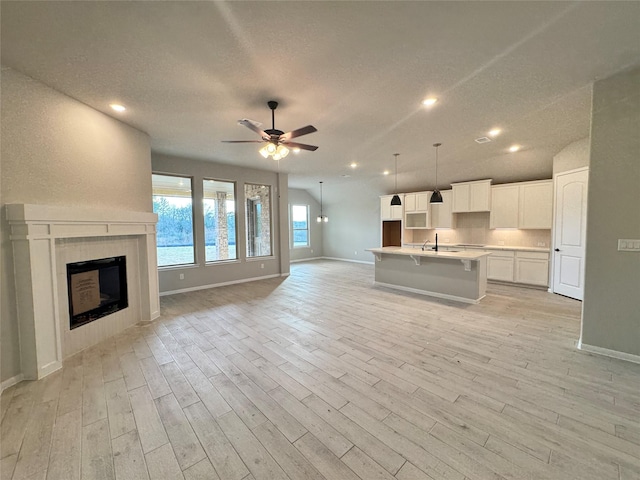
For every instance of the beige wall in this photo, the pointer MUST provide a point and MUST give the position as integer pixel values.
(58, 151)
(575, 155)
(611, 307)
(202, 274)
(314, 250)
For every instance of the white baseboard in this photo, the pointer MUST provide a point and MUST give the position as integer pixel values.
(628, 357)
(348, 260)
(429, 294)
(221, 284)
(285, 274)
(10, 382)
(305, 259)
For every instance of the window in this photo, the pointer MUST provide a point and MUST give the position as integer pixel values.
(300, 225)
(172, 201)
(258, 205)
(219, 206)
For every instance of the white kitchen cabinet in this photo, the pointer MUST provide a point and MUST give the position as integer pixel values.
(389, 212)
(416, 202)
(472, 196)
(416, 220)
(536, 205)
(504, 206)
(532, 268)
(441, 213)
(500, 265)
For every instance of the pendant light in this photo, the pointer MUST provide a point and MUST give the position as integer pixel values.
(436, 197)
(321, 218)
(395, 201)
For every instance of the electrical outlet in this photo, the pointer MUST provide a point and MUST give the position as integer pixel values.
(356, 252)
(446, 240)
(312, 250)
(182, 276)
(262, 265)
(542, 244)
(500, 242)
(628, 245)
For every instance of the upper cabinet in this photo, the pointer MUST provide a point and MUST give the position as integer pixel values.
(417, 210)
(441, 213)
(389, 212)
(472, 196)
(504, 206)
(525, 205)
(536, 205)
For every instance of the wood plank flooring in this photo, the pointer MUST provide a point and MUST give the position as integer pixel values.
(323, 376)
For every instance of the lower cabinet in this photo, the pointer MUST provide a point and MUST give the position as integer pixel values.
(500, 266)
(532, 268)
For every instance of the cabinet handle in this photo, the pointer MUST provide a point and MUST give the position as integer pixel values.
(557, 249)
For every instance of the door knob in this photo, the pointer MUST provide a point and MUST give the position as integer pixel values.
(557, 249)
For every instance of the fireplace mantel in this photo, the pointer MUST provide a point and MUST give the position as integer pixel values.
(34, 230)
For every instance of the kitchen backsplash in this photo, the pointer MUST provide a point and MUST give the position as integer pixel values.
(474, 228)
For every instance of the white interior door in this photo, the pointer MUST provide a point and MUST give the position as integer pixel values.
(570, 232)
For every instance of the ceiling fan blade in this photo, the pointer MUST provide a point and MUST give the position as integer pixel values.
(301, 146)
(251, 126)
(298, 133)
(242, 141)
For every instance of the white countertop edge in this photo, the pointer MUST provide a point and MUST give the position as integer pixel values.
(417, 252)
(486, 247)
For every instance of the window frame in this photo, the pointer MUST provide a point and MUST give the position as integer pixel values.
(235, 200)
(307, 229)
(249, 225)
(193, 263)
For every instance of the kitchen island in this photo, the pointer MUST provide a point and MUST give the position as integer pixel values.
(460, 276)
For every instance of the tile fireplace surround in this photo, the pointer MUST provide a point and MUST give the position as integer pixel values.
(44, 240)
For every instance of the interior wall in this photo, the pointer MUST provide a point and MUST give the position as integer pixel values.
(611, 304)
(314, 250)
(575, 155)
(204, 274)
(58, 151)
(354, 222)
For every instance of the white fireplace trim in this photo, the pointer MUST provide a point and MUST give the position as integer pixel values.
(34, 230)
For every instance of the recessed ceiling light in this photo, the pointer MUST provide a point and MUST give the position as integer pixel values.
(386, 172)
(117, 107)
(495, 132)
(514, 148)
(353, 165)
(428, 102)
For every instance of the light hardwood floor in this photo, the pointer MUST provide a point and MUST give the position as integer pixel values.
(322, 376)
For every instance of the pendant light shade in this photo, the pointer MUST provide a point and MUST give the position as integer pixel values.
(395, 200)
(436, 197)
(321, 218)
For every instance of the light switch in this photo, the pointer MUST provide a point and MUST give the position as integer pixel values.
(627, 245)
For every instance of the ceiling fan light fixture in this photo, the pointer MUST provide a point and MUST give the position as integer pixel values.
(264, 151)
(271, 148)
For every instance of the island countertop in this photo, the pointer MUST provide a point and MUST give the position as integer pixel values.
(418, 252)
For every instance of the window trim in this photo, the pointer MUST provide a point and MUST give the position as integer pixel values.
(246, 215)
(204, 228)
(308, 229)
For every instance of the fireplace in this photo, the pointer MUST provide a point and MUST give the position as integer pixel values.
(96, 288)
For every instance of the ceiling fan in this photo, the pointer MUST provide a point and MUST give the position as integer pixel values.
(278, 142)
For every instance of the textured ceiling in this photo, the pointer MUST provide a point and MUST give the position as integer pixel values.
(187, 71)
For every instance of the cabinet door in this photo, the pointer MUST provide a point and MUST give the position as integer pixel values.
(396, 212)
(385, 207)
(461, 198)
(500, 266)
(480, 197)
(441, 216)
(410, 202)
(504, 207)
(536, 205)
(532, 268)
(422, 201)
